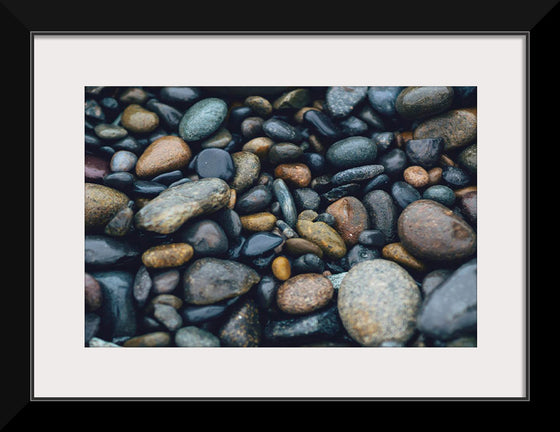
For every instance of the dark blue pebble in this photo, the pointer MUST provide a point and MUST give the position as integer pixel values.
(394, 162)
(234, 251)
(94, 112)
(147, 188)
(321, 124)
(371, 118)
(455, 177)
(128, 143)
(230, 222)
(341, 191)
(440, 193)
(356, 174)
(316, 163)
(263, 262)
(235, 144)
(123, 181)
(383, 140)
(92, 142)
(106, 151)
(381, 181)
(326, 218)
(103, 251)
(359, 253)
(308, 263)
(404, 194)
(236, 117)
(306, 199)
(179, 182)
(260, 243)
(169, 116)
(372, 238)
(193, 314)
(382, 99)
(181, 97)
(111, 108)
(353, 126)
(168, 178)
(256, 199)
(214, 162)
(280, 130)
(265, 292)
(424, 152)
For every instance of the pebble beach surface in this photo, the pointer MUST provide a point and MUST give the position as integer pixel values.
(280, 216)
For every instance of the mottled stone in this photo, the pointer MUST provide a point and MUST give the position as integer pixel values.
(440, 193)
(284, 153)
(342, 100)
(281, 131)
(382, 213)
(167, 255)
(281, 268)
(456, 127)
(110, 132)
(416, 176)
(357, 174)
(176, 205)
(203, 119)
(247, 168)
(119, 225)
(137, 119)
(450, 311)
(142, 285)
(304, 293)
(259, 146)
(155, 339)
(294, 174)
(468, 160)
(421, 102)
(397, 253)
(378, 302)
(293, 99)
(351, 218)
(123, 160)
(166, 281)
(431, 231)
(324, 236)
(262, 221)
(165, 154)
(424, 152)
(167, 316)
(467, 204)
(192, 336)
(287, 204)
(434, 279)
(210, 280)
(301, 246)
(306, 199)
(259, 105)
(220, 139)
(242, 328)
(308, 215)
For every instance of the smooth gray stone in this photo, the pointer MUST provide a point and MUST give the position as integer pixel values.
(341, 100)
(287, 204)
(351, 152)
(382, 212)
(203, 119)
(118, 314)
(450, 310)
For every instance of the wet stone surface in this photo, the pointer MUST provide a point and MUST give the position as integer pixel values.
(336, 216)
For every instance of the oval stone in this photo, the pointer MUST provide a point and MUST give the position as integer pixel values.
(155, 339)
(210, 280)
(341, 100)
(456, 127)
(165, 154)
(304, 293)
(324, 236)
(431, 231)
(167, 255)
(294, 174)
(382, 212)
(300, 246)
(421, 102)
(351, 152)
(351, 218)
(174, 206)
(378, 302)
(102, 203)
(137, 119)
(262, 221)
(203, 119)
(247, 169)
(206, 237)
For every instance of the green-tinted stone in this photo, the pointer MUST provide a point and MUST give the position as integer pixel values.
(203, 119)
(102, 203)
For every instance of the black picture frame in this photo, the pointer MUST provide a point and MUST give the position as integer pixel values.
(20, 21)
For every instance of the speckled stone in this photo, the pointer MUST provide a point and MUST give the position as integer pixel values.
(281, 268)
(422, 102)
(342, 100)
(242, 328)
(166, 281)
(416, 176)
(286, 201)
(210, 280)
(324, 236)
(294, 174)
(293, 99)
(308, 215)
(304, 293)
(191, 336)
(467, 204)
(357, 174)
(424, 152)
(378, 302)
(351, 218)
(440, 193)
(137, 119)
(155, 339)
(397, 253)
(467, 159)
(431, 231)
(119, 225)
(247, 169)
(123, 160)
(174, 206)
(262, 221)
(101, 204)
(167, 255)
(165, 154)
(351, 152)
(450, 311)
(167, 316)
(456, 127)
(300, 246)
(284, 153)
(203, 119)
(259, 105)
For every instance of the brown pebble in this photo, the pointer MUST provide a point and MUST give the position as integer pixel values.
(137, 119)
(416, 176)
(262, 221)
(402, 138)
(101, 204)
(165, 154)
(167, 255)
(167, 299)
(324, 236)
(300, 246)
(93, 293)
(294, 174)
(445, 160)
(351, 218)
(304, 293)
(242, 328)
(281, 268)
(259, 146)
(155, 339)
(259, 105)
(459, 193)
(434, 176)
(397, 253)
(319, 104)
(308, 214)
(232, 199)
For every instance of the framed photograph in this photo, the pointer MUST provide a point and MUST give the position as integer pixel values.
(410, 299)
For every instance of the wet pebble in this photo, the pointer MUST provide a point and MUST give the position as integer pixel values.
(341, 101)
(165, 154)
(206, 237)
(192, 336)
(202, 119)
(304, 293)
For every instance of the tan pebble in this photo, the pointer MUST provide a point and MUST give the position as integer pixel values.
(263, 221)
(232, 199)
(281, 268)
(294, 174)
(324, 236)
(416, 176)
(167, 299)
(165, 154)
(319, 104)
(167, 255)
(435, 176)
(156, 339)
(397, 253)
(309, 215)
(259, 146)
(260, 106)
(304, 293)
(101, 204)
(137, 119)
(300, 246)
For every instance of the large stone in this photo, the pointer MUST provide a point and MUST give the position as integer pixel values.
(165, 154)
(174, 206)
(202, 119)
(351, 218)
(378, 302)
(456, 127)
(102, 203)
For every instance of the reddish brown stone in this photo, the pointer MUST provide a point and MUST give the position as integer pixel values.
(299, 246)
(304, 293)
(259, 146)
(93, 293)
(397, 253)
(294, 174)
(416, 176)
(351, 218)
(467, 204)
(165, 154)
(95, 169)
(434, 176)
(155, 339)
